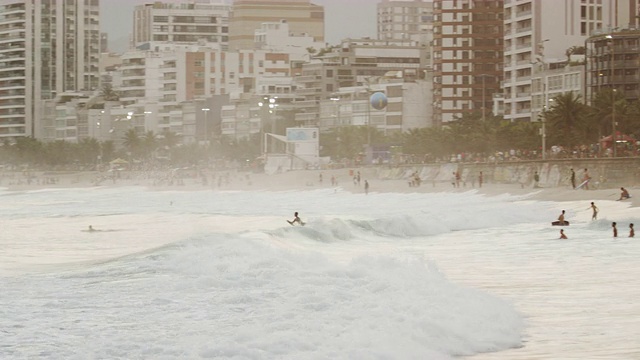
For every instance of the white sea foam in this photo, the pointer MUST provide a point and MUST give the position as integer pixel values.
(221, 275)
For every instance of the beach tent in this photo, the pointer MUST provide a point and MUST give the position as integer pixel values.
(606, 141)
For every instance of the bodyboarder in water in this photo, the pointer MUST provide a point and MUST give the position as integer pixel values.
(296, 219)
(561, 220)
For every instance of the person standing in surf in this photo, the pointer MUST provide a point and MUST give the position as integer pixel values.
(615, 230)
(594, 216)
(632, 233)
(562, 235)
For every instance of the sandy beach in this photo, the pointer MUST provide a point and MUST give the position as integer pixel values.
(295, 180)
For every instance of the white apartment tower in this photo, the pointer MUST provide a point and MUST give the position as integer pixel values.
(186, 22)
(539, 32)
(405, 20)
(47, 48)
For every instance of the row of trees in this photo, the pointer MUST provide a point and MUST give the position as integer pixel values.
(569, 123)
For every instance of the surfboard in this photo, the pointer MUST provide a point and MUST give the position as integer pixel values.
(293, 224)
(557, 223)
(582, 184)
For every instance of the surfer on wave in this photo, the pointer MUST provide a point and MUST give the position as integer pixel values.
(296, 219)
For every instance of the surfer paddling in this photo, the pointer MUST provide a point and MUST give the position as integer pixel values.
(296, 219)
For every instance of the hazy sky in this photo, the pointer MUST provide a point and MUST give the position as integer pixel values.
(343, 18)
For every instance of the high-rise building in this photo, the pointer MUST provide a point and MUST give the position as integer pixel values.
(405, 19)
(613, 62)
(193, 21)
(539, 32)
(47, 48)
(247, 16)
(468, 48)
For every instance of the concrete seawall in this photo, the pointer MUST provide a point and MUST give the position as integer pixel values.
(604, 173)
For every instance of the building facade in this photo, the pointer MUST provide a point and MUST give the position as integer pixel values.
(468, 46)
(613, 62)
(405, 20)
(538, 33)
(357, 62)
(47, 48)
(205, 21)
(247, 16)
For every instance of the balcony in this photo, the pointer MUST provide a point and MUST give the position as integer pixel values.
(310, 91)
(306, 117)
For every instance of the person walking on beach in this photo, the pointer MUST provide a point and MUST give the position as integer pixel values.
(536, 180)
(594, 216)
(573, 179)
(615, 230)
(586, 178)
(562, 235)
(366, 187)
(632, 233)
(480, 179)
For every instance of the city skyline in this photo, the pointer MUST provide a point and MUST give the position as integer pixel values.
(355, 19)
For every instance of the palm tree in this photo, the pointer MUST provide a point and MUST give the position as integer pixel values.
(149, 143)
(131, 141)
(601, 114)
(566, 119)
(108, 94)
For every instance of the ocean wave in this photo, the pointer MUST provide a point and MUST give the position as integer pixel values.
(253, 297)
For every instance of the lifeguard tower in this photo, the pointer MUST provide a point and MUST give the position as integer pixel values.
(298, 150)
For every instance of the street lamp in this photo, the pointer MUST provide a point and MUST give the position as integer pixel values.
(267, 104)
(206, 126)
(543, 134)
(335, 99)
(613, 97)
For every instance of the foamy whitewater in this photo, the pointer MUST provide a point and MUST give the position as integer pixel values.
(221, 275)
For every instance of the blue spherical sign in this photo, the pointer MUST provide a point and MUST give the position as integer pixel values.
(378, 100)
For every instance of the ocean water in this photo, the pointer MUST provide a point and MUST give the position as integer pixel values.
(221, 275)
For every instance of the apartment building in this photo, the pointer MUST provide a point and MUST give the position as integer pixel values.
(613, 62)
(405, 20)
(357, 62)
(408, 106)
(468, 46)
(540, 32)
(247, 16)
(47, 48)
(184, 22)
(553, 79)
